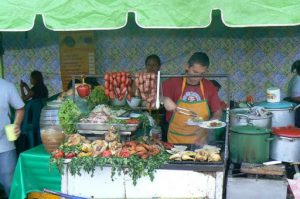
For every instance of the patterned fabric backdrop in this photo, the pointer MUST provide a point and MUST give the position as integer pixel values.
(255, 58)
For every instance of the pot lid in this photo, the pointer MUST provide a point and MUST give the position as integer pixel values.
(250, 114)
(277, 105)
(288, 131)
(250, 129)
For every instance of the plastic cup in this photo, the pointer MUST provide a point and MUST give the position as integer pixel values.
(10, 132)
(156, 133)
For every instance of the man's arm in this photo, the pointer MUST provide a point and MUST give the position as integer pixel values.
(296, 99)
(19, 115)
(217, 115)
(169, 104)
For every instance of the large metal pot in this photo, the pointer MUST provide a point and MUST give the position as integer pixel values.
(283, 113)
(242, 116)
(249, 144)
(285, 145)
(49, 116)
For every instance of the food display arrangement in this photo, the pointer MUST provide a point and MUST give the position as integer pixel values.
(102, 117)
(136, 158)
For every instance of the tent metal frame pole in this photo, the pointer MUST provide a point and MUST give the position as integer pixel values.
(1, 67)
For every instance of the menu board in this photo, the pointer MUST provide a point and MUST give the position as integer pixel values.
(77, 55)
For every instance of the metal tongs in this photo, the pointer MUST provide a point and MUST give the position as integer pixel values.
(186, 112)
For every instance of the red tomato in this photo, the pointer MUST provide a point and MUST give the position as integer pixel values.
(83, 90)
(70, 155)
(57, 154)
(124, 153)
(106, 154)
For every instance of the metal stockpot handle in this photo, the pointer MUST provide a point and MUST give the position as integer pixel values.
(286, 138)
(296, 107)
(244, 116)
(270, 139)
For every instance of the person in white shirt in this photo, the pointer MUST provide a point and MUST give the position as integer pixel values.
(9, 97)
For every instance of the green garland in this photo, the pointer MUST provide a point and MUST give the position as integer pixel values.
(133, 166)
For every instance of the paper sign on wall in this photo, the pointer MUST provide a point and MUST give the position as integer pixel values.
(77, 54)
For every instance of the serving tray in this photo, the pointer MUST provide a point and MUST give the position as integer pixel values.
(106, 126)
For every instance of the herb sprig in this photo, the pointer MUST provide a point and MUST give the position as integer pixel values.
(133, 166)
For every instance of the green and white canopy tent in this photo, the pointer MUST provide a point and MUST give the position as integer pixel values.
(75, 15)
(66, 15)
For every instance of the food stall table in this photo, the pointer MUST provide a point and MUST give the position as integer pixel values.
(168, 183)
(33, 174)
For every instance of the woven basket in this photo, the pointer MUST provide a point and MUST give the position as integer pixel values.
(52, 138)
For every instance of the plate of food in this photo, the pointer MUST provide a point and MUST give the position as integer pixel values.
(212, 124)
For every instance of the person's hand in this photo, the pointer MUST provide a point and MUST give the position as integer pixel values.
(22, 84)
(17, 130)
(169, 104)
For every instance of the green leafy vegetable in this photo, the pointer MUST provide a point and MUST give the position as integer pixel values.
(133, 166)
(96, 97)
(69, 114)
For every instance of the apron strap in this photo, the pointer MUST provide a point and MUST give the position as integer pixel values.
(183, 87)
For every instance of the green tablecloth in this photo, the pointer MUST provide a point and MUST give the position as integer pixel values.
(33, 174)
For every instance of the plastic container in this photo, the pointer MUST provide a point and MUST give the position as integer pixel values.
(10, 132)
(155, 133)
(273, 94)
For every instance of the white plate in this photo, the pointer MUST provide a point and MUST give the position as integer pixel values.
(191, 123)
(122, 118)
(54, 105)
(207, 124)
(134, 115)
